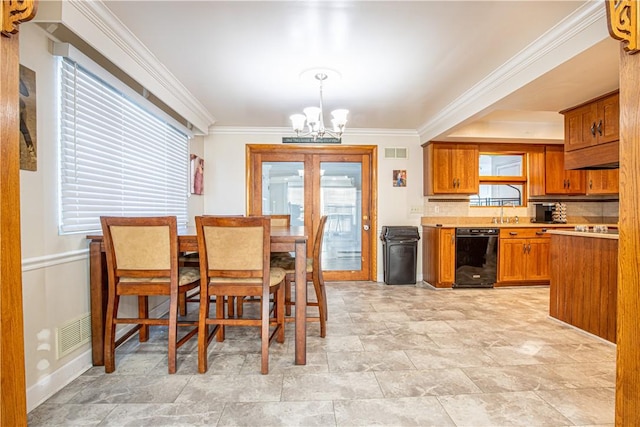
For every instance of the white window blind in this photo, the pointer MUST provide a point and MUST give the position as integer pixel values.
(116, 158)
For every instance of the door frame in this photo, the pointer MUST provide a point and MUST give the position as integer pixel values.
(302, 153)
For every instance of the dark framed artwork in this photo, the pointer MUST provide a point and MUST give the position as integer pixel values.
(28, 120)
(399, 178)
(197, 175)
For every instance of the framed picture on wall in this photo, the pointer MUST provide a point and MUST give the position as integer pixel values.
(28, 122)
(399, 178)
(197, 175)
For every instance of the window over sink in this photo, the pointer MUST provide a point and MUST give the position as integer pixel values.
(503, 180)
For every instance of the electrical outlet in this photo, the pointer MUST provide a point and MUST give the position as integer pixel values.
(436, 209)
(416, 210)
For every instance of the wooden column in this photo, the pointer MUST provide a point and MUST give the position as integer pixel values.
(13, 406)
(624, 25)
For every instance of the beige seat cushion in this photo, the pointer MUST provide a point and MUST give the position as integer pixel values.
(276, 275)
(289, 264)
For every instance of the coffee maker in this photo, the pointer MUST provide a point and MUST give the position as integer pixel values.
(544, 212)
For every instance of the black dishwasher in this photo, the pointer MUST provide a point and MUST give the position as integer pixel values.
(476, 257)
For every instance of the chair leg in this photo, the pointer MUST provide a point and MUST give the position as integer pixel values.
(173, 330)
(220, 315)
(182, 303)
(110, 335)
(322, 307)
(203, 329)
(280, 303)
(287, 298)
(264, 334)
(143, 313)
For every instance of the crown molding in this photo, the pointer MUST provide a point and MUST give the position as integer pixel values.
(282, 131)
(519, 68)
(112, 28)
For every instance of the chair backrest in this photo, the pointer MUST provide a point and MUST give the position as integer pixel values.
(317, 248)
(280, 220)
(141, 246)
(234, 246)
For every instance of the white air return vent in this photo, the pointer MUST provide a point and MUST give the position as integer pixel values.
(396, 153)
(73, 335)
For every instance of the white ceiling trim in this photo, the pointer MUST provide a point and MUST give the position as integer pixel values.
(535, 58)
(230, 130)
(156, 78)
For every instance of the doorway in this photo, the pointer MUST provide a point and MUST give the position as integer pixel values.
(308, 182)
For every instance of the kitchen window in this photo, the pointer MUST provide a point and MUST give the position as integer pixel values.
(117, 155)
(503, 180)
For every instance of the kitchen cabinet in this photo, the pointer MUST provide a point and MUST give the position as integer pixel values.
(439, 256)
(450, 168)
(523, 256)
(592, 132)
(584, 281)
(603, 181)
(557, 179)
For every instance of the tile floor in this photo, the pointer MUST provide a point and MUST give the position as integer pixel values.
(393, 355)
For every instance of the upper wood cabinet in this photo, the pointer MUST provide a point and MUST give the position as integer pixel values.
(591, 132)
(450, 168)
(557, 179)
(603, 181)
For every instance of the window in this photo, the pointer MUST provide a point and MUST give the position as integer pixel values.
(502, 180)
(116, 158)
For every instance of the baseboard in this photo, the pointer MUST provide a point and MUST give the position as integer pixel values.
(52, 383)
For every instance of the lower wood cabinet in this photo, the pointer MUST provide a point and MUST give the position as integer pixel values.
(584, 283)
(523, 256)
(439, 256)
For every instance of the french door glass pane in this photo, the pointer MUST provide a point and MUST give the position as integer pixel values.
(341, 200)
(283, 190)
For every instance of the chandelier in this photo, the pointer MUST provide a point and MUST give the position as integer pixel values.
(314, 119)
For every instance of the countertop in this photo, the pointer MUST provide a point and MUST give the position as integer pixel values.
(467, 222)
(600, 235)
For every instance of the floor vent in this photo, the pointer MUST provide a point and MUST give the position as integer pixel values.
(396, 153)
(74, 334)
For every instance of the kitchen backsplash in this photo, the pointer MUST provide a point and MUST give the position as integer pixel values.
(577, 211)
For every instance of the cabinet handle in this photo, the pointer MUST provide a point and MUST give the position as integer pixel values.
(568, 183)
(529, 248)
(453, 183)
(513, 233)
(539, 233)
(600, 127)
(458, 182)
(590, 184)
(524, 248)
(564, 183)
(593, 128)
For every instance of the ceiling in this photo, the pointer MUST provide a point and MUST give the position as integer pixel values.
(459, 70)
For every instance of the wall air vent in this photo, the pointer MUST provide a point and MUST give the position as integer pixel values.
(73, 335)
(396, 153)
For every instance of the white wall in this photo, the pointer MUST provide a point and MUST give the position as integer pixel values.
(55, 268)
(226, 175)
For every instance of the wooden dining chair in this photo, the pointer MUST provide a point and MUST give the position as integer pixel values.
(234, 263)
(142, 260)
(314, 275)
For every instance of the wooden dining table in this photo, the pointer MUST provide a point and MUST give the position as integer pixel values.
(283, 239)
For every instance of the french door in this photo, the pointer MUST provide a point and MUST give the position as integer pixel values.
(308, 182)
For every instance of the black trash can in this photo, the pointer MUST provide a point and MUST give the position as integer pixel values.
(399, 254)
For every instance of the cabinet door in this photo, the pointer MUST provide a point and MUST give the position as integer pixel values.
(602, 181)
(447, 263)
(512, 262)
(538, 259)
(465, 169)
(441, 169)
(557, 179)
(608, 122)
(580, 128)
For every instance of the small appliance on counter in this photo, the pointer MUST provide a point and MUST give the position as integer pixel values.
(544, 212)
